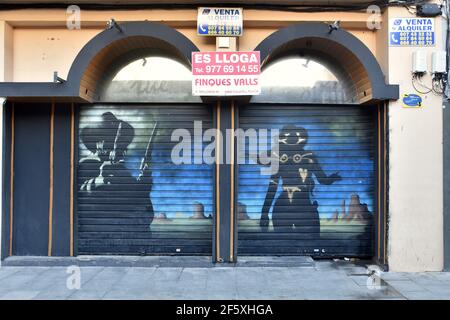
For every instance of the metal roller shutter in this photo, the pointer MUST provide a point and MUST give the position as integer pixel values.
(321, 202)
(122, 209)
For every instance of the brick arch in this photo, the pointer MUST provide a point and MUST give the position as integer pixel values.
(94, 61)
(340, 48)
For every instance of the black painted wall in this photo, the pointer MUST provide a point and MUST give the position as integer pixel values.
(31, 179)
(6, 179)
(31, 188)
(61, 181)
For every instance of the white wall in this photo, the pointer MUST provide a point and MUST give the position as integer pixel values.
(415, 237)
(39, 52)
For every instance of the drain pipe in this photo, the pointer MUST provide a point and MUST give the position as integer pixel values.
(2, 108)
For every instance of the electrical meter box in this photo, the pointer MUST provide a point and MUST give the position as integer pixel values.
(419, 61)
(438, 62)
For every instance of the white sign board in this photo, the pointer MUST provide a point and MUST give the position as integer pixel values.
(219, 22)
(225, 73)
(411, 32)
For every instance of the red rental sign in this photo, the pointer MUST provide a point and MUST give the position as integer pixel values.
(225, 73)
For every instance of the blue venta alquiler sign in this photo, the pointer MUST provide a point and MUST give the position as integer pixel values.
(219, 22)
(413, 32)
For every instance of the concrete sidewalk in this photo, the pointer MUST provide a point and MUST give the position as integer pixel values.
(313, 280)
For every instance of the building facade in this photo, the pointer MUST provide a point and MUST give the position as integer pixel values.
(88, 153)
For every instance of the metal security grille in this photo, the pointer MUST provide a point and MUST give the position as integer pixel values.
(132, 198)
(321, 201)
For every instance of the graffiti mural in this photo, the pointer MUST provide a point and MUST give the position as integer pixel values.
(106, 163)
(132, 199)
(294, 207)
(321, 200)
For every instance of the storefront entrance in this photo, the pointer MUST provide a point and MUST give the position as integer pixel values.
(132, 198)
(105, 162)
(320, 201)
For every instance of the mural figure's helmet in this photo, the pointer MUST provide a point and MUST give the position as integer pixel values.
(105, 132)
(292, 135)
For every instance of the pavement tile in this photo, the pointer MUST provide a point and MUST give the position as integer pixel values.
(5, 272)
(326, 295)
(120, 295)
(441, 276)
(363, 281)
(19, 295)
(15, 282)
(440, 290)
(49, 280)
(133, 282)
(425, 279)
(141, 271)
(405, 285)
(395, 275)
(332, 285)
(423, 295)
(261, 295)
(103, 280)
(166, 274)
(384, 292)
(87, 295)
(54, 294)
(196, 294)
(192, 276)
(87, 273)
(224, 295)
